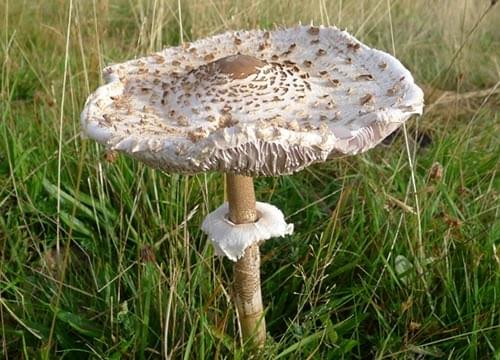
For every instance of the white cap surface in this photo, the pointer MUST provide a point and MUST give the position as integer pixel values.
(252, 102)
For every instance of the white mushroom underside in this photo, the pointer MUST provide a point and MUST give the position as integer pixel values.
(320, 93)
(231, 239)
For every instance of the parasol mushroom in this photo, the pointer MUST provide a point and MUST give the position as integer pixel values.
(251, 103)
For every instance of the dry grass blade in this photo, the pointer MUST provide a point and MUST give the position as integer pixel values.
(443, 97)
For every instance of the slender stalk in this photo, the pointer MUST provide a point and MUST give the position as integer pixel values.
(248, 297)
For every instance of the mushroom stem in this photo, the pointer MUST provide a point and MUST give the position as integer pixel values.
(248, 297)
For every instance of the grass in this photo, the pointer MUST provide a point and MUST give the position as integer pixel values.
(391, 258)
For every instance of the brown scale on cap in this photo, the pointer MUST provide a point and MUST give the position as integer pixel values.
(367, 99)
(313, 30)
(197, 134)
(353, 46)
(367, 77)
(226, 121)
(393, 90)
(333, 82)
(236, 66)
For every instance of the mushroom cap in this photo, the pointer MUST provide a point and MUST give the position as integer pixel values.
(252, 102)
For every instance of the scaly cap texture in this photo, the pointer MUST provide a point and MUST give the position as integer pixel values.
(252, 102)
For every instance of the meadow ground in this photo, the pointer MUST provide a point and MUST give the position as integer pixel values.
(396, 252)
